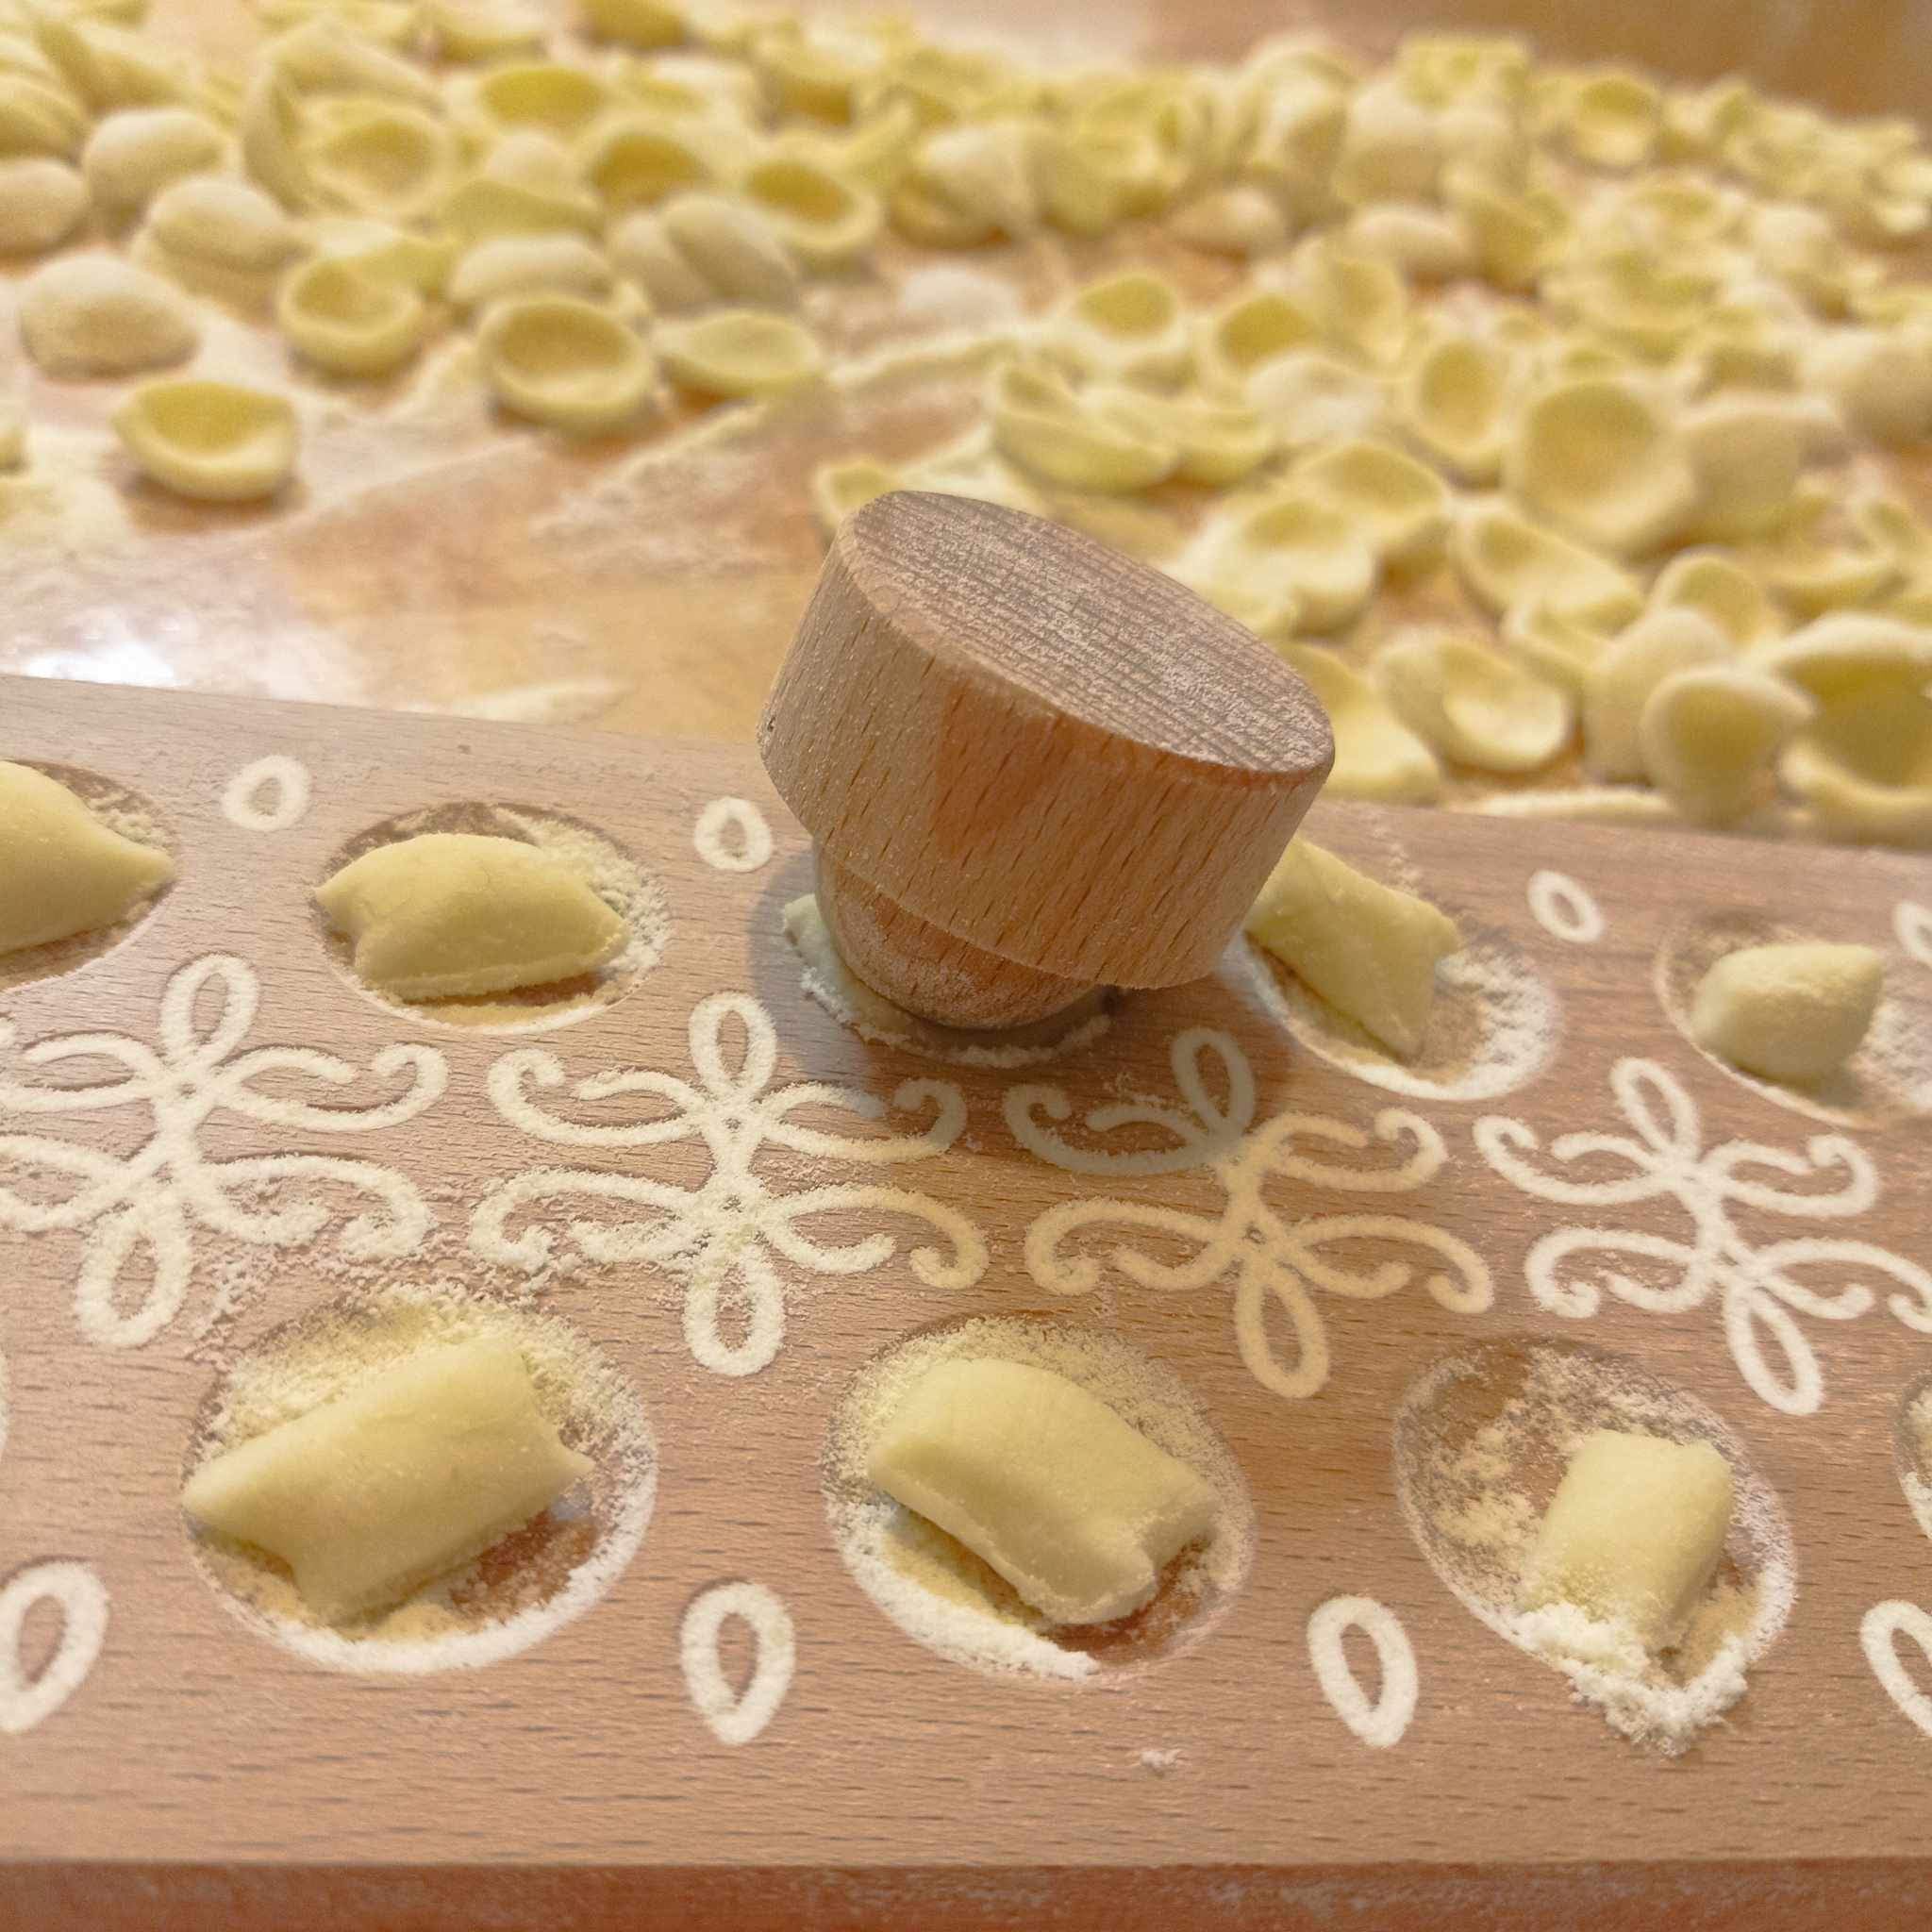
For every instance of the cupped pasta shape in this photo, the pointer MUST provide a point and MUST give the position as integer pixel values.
(215, 442)
(384, 252)
(271, 130)
(740, 352)
(1709, 736)
(1559, 649)
(1246, 333)
(1391, 147)
(1601, 460)
(969, 183)
(1240, 220)
(566, 362)
(1507, 560)
(827, 223)
(1472, 703)
(1219, 442)
(640, 160)
(39, 117)
(703, 248)
(42, 202)
(1090, 179)
(1717, 586)
(222, 221)
(874, 154)
(1513, 236)
(820, 67)
(67, 872)
(1376, 756)
(1420, 243)
(1849, 654)
(95, 314)
(1291, 561)
(529, 265)
(1864, 766)
(1745, 453)
(1454, 400)
(130, 157)
(349, 321)
(527, 185)
(109, 67)
(1631, 667)
(391, 161)
(464, 31)
(1810, 575)
(1612, 119)
(1360, 302)
(645, 24)
(452, 915)
(546, 97)
(326, 55)
(1880, 380)
(1130, 328)
(1042, 425)
(838, 489)
(1400, 508)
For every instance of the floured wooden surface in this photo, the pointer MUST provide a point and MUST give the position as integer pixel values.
(1760, 1259)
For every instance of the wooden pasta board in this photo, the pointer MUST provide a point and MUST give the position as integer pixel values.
(200, 1775)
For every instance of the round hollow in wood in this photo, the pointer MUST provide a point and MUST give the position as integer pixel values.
(1021, 740)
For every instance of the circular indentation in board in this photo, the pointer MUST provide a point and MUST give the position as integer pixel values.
(1482, 1439)
(942, 1595)
(121, 810)
(617, 878)
(1492, 1026)
(529, 1584)
(1888, 1078)
(1914, 1442)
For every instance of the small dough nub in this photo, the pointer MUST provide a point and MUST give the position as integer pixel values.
(1793, 1012)
(215, 442)
(96, 315)
(66, 872)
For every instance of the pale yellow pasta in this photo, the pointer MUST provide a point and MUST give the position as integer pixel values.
(1718, 587)
(527, 185)
(826, 223)
(1809, 575)
(1042, 425)
(638, 161)
(383, 251)
(1290, 562)
(226, 223)
(1512, 235)
(1297, 132)
(1400, 507)
(818, 68)
(348, 321)
(215, 442)
(387, 161)
(325, 57)
(465, 30)
(565, 362)
(643, 23)
(529, 265)
(1709, 736)
(1745, 454)
(1309, 398)
(969, 183)
(1376, 756)
(738, 352)
(130, 157)
(1246, 333)
(1130, 328)
(109, 67)
(1219, 442)
(1803, 250)
(734, 247)
(1629, 668)
(1455, 401)
(96, 315)
(1358, 302)
(1472, 703)
(1612, 119)
(1851, 654)
(1390, 149)
(1559, 649)
(544, 97)
(838, 489)
(1506, 559)
(12, 436)
(1864, 766)
(872, 153)
(1419, 243)
(694, 83)
(271, 132)
(67, 871)
(42, 202)
(1240, 220)
(1601, 461)
(1880, 382)
(39, 117)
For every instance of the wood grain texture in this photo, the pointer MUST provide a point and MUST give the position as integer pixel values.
(202, 1777)
(1036, 745)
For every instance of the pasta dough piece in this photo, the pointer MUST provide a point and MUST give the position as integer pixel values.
(464, 31)
(1745, 453)
(130, 157)
(529, 265)
(643, 24)
(1453, 401)
(1851, 654)
(1708, 736)
(1514, 236)
(1812, 576)
(968, 184)
(1633, 1534)
(216, 441)
(1310, 397)
(348, 321)
(1042, 425)
(1418, 242)
(1241, 221)
(740, 352)
(838, 489)
(1400, 507)
(547, 97)
(1472, 703)
(1793, 1012)
(1367, 949)
(1389, 150)
(1864, 766)
(1506, 559)
(272, 132)
(700, 249)
(383, 251)
(1244, 334)
(1070, 1503)
(396, 1481)
(1620, 683)
(1881, 383)
(42, 202)
(109, 67)
(1599, 458)
(1376, 755)
(12, 436)
(1290, 562)
(641, 161)
(98, 315)
(325, 56)
(39, 117)
(1130, 328)
(1358, 301)
(1560, 650)
(828, 223)
(527, 185)
(226, 224)
(566, 362)
(450, 915)
(1612, 119)
(391, 161)
(1219, 444)
(67, 873)
(1709, 583)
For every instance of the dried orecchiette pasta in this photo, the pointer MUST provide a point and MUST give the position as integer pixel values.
(109, 67)
(1472, 703)
(1745, 454)
(42, 202)
(383, 251)
(224, 223)
(1455, 401)
(1400, 508)
(39, 117)
(1810, 575)
(1290, 562)
(216, 441)
(544, 97)
(565, 362)
(1716, 587)
(1042, 425)
(98, 315)
(1391, 147)
(1507, 560)
(1130, 328)
(464, 31)
(1248, 333)
(349, 321)
(1513, 236)
(638, 161)
(1219, 442)
(1358, 301)
(969, 183)
(130, 157)
(1612, 119)
(734, 247)
(529, 265)
(527, 185)
(1240, 220)
(820, 67)
(1864, 766)
(1416, 241)
(1601, 460)
(1561, 649)
(644, 24)
(1880, 382)
(272, 132)
(1632, 666)
(826, 222)
(1310, 399)
(386, 159)
(838, 489)
(1376, 755)
(325, 57)
(738, 352)
(1709, 736)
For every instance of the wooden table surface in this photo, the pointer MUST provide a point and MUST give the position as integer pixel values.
(425, 579)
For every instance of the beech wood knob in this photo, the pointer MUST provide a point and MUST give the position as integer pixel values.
(1031, 765)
